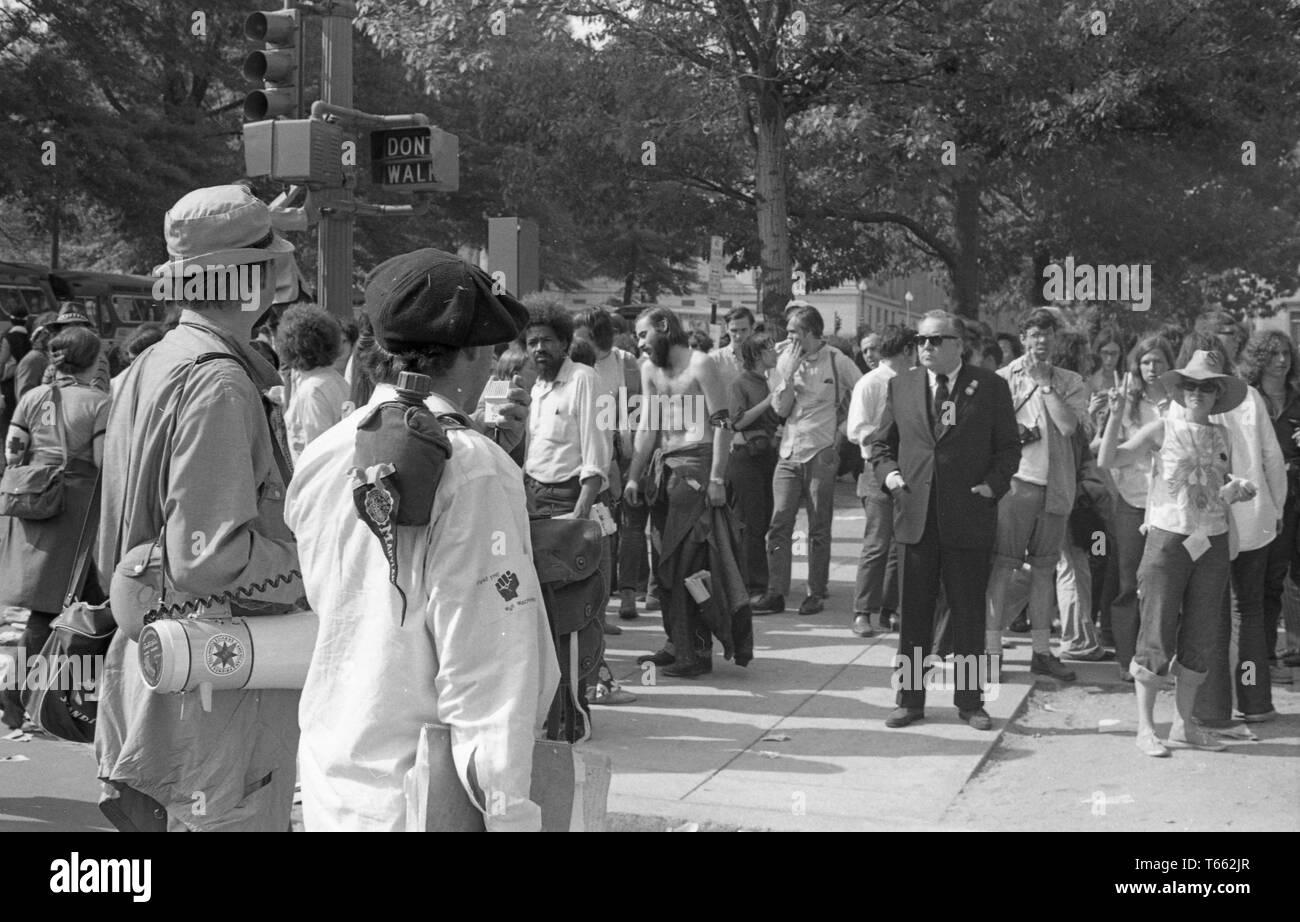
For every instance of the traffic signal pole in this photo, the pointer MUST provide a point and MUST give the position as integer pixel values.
(334, 234)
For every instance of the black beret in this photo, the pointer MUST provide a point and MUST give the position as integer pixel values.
(428, 297)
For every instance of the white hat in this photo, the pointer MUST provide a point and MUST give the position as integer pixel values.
(225, 226)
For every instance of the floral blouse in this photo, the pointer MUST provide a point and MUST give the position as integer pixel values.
(1190, 467)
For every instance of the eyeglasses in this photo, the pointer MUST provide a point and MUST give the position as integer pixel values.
(934, 341)
(1203, 387)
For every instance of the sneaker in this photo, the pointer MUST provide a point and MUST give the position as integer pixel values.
(1048, 665)
(1194, 737)
(978, 718)
(811, 605)
(1149, 745)
(611, 629)
(862, 626)
(769, 603)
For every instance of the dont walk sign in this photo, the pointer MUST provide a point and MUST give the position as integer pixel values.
(419, 159)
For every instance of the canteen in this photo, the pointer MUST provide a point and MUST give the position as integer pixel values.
(218, 651)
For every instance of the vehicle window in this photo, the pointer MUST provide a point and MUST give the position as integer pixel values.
(10, 298)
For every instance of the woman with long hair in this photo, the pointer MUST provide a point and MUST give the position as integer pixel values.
(1270, 363)
(1144, 401)
(61, 424)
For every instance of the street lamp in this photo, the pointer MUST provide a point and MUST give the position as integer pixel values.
(907, 297)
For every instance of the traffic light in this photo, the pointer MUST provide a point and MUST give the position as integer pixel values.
(276, 65)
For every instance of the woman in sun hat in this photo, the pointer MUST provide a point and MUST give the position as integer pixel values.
(1185, 565)
(1257, 457)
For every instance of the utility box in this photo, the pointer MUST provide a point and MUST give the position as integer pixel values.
(513, 251)
(305, 151)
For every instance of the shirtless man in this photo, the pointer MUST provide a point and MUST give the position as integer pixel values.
(683, 398)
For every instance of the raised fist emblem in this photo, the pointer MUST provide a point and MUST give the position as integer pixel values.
(508, 585)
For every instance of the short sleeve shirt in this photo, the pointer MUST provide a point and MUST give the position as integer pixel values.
(83, 412)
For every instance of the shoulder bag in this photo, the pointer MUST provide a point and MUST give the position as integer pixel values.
(35, 491)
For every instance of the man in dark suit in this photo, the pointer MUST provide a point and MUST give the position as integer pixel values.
(946, 449)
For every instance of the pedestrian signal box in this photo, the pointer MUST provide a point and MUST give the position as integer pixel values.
(419, 159)
(306, 151)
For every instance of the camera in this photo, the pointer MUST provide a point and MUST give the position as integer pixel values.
(1029, 434)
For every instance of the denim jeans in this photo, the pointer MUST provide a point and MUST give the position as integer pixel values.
(793, 483)
(1129, 546)
(751, 501)
(877, 583)
(1182, 602)
(1282, 557)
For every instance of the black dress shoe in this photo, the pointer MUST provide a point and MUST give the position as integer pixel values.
(901, 717)
(1020, 625)
(659, 658)
(977, 718)
(888, 622)
(862, 626)
(769, 603)
(688, 670)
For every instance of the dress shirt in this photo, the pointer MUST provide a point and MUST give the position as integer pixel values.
(868, 405)
(563, 439)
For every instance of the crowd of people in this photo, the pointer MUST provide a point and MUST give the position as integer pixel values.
(1144, 495)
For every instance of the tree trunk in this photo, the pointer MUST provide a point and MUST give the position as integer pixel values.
(56, 212)
(772, 206)
(629, 281)
(966, 278)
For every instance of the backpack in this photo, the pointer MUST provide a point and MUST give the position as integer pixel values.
(566, 555)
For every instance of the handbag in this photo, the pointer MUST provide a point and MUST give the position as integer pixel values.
(64, 703)
(35, 491)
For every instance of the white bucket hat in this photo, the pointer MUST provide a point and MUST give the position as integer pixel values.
(226, 226)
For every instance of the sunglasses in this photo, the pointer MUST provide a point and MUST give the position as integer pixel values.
(934, 341)
(1203, 387)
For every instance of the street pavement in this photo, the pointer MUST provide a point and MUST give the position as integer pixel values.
(796, 741)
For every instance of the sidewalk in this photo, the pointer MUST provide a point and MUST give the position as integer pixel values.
(797, 740)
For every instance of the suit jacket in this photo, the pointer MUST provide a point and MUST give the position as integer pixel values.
(982, 446)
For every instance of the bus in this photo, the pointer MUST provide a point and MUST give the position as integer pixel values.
(116, 304)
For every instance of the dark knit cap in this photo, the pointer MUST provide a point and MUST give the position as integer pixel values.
(429, 297)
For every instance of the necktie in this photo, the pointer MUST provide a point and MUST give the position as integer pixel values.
(940, 405)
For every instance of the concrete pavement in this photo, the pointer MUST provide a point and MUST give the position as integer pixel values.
(797, 740)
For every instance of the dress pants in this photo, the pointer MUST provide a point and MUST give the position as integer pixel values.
(877, 582)
(964, 574)
(750, 479)
(1242, 618)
